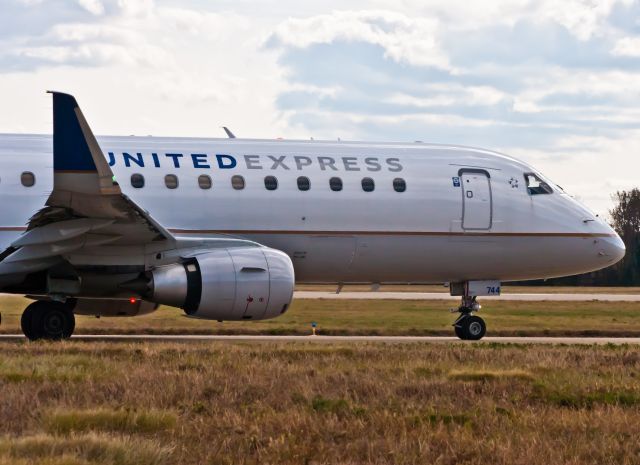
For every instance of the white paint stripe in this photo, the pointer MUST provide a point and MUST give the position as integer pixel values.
(444, 296)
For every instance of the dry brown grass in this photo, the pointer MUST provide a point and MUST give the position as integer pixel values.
(305, 402)
(81, 450)
(490, 375)
(124, 421)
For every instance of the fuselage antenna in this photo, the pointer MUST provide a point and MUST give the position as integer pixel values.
(229, 133)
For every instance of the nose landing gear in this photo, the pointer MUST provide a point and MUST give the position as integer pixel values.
(469, 327)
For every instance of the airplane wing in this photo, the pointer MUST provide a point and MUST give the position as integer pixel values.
(84, 185)
(86, 208)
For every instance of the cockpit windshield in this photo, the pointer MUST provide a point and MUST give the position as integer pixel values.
(535, 184)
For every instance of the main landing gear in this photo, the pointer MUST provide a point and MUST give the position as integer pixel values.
(51, 320)
(469, 327)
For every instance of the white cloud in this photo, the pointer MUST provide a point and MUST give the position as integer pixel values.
(137, 8)
(627, 46)
(105, 53)
(95, 7)
(452, 94)
(81, 32)
(92, 45)
(94, 54)
(146, 68)
(612, 86)
(583, 18)
(404, 39)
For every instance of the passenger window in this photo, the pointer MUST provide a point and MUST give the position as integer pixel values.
(335, 184)
(28, 179)
(171, 181)
(303, 183)
(137, 180)
(204, 181)
(237, 182)
(368, 185)
(270, 183)
(399, 185)
(535, 185)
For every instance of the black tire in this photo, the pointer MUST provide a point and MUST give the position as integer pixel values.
(459, 332)
(474, 328)
(26, 322)
(71, 323)
(49, 320)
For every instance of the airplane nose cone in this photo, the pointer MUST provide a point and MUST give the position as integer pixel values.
(613, 249)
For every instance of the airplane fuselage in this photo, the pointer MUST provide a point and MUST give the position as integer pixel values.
(343, 212)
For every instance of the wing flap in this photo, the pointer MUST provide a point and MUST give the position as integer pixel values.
(52, 249)
(28, 266)
(60, 231)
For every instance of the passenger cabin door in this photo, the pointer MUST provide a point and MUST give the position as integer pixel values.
(476, 199)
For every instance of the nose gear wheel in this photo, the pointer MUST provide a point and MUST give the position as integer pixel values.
(469, 327)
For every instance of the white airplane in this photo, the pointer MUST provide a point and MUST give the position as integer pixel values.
(117, 225)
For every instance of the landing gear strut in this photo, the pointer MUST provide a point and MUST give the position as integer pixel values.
(47, 320)
(469, 327)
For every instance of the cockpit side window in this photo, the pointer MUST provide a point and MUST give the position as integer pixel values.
(535, 185)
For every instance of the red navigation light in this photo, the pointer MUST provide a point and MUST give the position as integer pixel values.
(132, 300)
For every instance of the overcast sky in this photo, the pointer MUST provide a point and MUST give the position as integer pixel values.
(556, 83)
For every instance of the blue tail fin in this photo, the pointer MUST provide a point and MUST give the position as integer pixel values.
(70, 147)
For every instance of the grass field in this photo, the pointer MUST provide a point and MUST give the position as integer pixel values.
(382, 317)
(228, 403)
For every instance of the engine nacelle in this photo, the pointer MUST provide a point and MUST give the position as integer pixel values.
(227, 284)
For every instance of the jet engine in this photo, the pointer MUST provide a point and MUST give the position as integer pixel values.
(227, 284)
